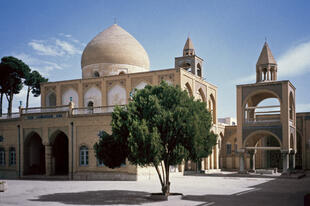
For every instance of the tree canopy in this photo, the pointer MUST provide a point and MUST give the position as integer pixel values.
(33, 80)
(13, 71)
(160, 127)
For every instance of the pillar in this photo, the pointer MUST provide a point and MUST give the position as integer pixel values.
(241, 160)
(252, 160)
(285, 160)
(292, 160)
(48, 160)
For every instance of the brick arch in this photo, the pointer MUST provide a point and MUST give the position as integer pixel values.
(255, 134)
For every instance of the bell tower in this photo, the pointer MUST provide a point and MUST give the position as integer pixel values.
(266, 66)
(189, 61)
(266, 119)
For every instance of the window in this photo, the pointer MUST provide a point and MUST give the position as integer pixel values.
(12, 156)
(228, 149)
(90, 107)
(83, 156)
(2, 156)
(100, 163)
(96, 74)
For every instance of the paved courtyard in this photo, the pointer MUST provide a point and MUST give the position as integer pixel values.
(197, 190)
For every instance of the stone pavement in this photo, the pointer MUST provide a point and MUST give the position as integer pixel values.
(197, 190)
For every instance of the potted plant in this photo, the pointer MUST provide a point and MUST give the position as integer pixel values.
(3, 186)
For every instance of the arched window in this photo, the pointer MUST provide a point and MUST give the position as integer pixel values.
(90, 107)
(292, 107)
(199, 70)
(100, 163)
(187, 67)
(265, 73)
(12, 156)
(51, 99)
(96, 74)
(2, 156)
(188, 89)
(228, 149)
(83, 156)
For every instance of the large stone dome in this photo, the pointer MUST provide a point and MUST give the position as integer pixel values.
(112, 51)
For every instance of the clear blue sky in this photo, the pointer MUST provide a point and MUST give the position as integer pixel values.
(228, 35)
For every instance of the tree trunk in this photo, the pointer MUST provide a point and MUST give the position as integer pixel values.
(10, 101)
(166, 186)
(1, 100)
(27, 100)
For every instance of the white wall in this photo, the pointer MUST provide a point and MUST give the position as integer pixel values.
(93, 94)
(117, 95)
(65, 99)
(141, 85)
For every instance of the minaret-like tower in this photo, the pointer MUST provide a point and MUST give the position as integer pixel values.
(189, 61)
(266, 66)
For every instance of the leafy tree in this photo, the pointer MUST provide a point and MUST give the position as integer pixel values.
(33, 81)
(160, 127)
(13, 71)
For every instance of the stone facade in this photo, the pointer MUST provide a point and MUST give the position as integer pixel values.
(58, 137)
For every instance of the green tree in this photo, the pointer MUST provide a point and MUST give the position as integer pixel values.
(160, 127)
(13, 71)
(33, 81)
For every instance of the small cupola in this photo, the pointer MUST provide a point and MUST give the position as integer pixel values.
(188, 48)
(266, 66)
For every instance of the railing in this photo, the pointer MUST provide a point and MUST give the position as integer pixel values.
(33, 110)
(52, 112)
(13, 115)
(258, 115)
(93, 110)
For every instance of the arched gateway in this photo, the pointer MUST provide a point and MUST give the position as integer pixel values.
(34, 155)
(59, 154)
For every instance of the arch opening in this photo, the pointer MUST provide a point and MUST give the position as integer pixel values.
(292, 107)
(60, 153)
(187, 67)
(212, 108)
(262, 107)
(189, 89)
(199, 71)
(298, 156)
(34, 155)
(202, 95)
(50, 99)
(96, 74)
(265, 150)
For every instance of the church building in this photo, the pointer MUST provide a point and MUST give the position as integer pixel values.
(57, 138)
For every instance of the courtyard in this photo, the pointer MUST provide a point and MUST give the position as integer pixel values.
(196, 190)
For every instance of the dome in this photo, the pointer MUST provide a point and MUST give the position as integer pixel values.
(115, 46)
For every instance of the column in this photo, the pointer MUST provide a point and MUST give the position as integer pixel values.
(252, 160)
(48, 160)
(292, 160)
(241, 159)
(285, 160)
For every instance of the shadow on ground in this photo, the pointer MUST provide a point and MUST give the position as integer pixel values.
(100, 197)
(278, 192)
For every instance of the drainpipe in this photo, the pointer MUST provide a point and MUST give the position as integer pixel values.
(72, 157)
(18, 129)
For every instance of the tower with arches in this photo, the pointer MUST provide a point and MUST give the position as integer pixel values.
(189, 61)
(266, 119)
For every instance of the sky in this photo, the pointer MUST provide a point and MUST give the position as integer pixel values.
(50, 37)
